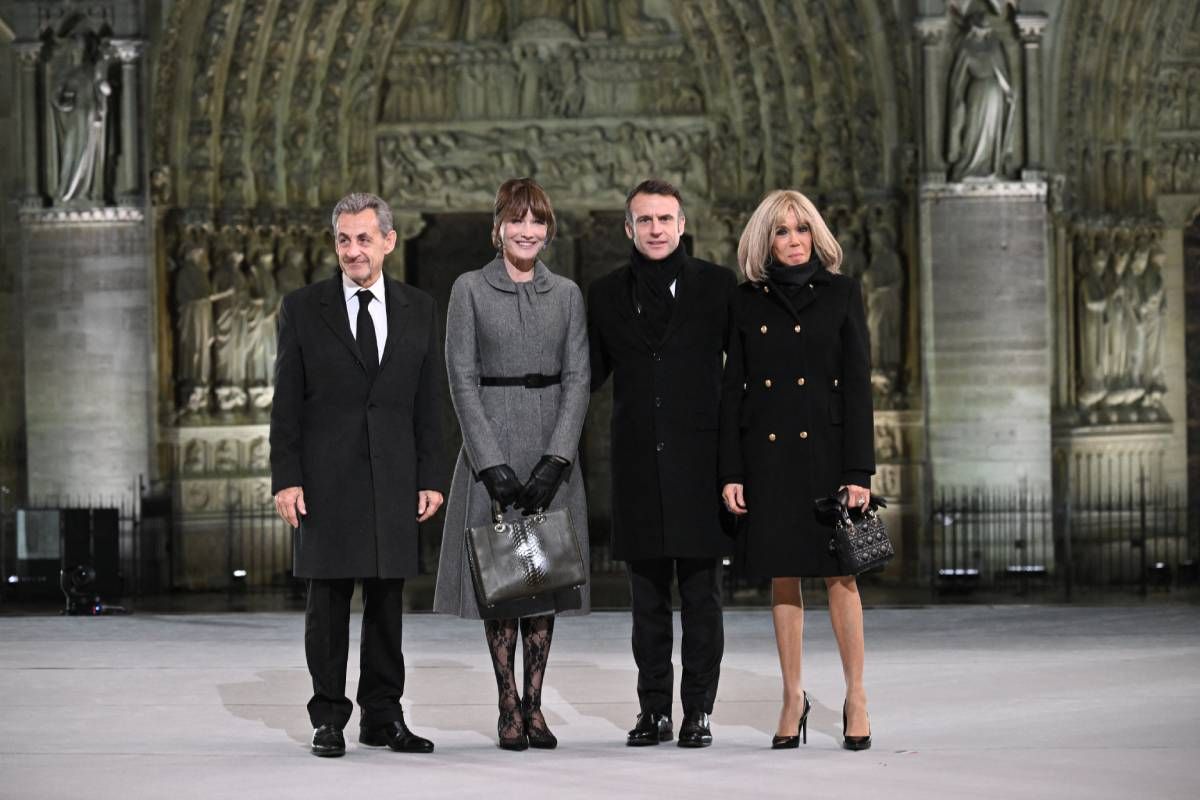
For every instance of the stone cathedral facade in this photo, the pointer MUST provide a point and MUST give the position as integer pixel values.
(1015, 182)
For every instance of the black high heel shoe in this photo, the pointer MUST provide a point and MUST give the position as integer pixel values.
(508, 721)
(855, 742)
(539, 736)
(791, 742)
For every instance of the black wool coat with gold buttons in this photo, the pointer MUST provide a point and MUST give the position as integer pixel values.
(796, 417)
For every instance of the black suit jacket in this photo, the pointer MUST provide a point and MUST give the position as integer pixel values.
(665, 496)
(360, 449)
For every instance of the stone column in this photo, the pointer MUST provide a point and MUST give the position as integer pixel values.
(932, 32)
(986, 336)
(129, 175)
(28, 55)
(1031, 27)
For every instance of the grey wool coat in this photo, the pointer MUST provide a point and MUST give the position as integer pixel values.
(501, 329)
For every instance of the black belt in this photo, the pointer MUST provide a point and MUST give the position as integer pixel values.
(530, 381)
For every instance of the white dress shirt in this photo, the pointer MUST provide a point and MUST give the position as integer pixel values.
(376, 309)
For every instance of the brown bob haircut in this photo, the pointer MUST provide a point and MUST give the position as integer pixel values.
(516, 196)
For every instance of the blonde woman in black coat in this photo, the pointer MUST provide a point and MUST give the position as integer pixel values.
(796, 425)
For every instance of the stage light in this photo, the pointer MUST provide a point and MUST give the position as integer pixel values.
(239, 573)
(13, 579)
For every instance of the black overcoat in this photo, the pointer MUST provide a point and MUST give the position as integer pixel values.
(360, 450)
(796, 418)
(666, 397)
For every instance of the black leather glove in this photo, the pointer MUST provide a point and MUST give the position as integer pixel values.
(502, 484)
(543, 483)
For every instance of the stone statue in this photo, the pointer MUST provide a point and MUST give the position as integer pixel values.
(854, 260)
(1116, 325)
(79, 95)
(882, 284)
(261, 307)
(982, 103)
(1150, 307)
(1092, 303)
(193, 298)
(230, 314)
(293, 272)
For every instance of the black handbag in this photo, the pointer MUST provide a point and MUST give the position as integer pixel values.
(534, 555)
(860, 538)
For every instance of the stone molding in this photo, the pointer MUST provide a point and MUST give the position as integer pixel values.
(104, 215)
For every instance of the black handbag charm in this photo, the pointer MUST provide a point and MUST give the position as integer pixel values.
(533, 555)
(860, 539)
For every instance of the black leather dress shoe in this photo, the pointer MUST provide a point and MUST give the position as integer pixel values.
(395, 735)
(650, 729)
(695, 732)
(328, 742)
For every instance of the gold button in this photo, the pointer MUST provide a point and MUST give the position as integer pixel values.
(770, 437)
(796, 329)
(767, 289)
(803, 434)
(799, 381)
(767, 383)
(763, 329)
(835, 382)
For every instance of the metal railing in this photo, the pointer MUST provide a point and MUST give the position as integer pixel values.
(1020, 541)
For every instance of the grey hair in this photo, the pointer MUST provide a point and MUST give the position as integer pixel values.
(357, 202)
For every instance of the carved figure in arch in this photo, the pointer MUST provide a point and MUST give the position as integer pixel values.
(293, 271)
(193, 457)
(230, 312)
(1150, 308)
(882, 284)
(261, 306)
(635, 22)
(982, 103)
(193, 296)
(1116, 323)
(1091, 305)
(78, 95)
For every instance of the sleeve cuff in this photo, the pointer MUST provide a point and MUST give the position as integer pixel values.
(856, 478)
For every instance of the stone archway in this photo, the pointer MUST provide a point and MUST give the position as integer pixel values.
(267, 111)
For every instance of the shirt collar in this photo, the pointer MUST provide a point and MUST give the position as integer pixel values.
(350, 289)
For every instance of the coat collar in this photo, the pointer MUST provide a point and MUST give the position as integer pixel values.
(803, 299)
(496, 275)
(686, 287)
(335, 315)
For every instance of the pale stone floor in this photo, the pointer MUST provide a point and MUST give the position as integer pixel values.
(967, 701)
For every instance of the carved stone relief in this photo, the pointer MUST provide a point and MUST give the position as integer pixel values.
(1119, 319)
(594, 163)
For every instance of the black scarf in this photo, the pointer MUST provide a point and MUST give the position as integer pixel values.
(652, 290)
(791, 278)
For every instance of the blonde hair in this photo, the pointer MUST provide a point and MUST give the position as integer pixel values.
(754, 248)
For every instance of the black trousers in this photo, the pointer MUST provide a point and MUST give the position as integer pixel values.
(703, 631)
(327, 645)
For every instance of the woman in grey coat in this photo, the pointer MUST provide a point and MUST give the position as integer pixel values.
(517, 356)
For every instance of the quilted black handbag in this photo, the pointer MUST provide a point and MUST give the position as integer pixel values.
(859, 539)
(534, 555)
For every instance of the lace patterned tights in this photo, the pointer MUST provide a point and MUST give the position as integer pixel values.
(536, 635)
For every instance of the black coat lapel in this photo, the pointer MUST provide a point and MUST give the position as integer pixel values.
(627, 307)
(397, 319)
(687, 291)
(333, 311)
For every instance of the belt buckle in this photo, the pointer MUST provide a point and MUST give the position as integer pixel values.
(533, 380)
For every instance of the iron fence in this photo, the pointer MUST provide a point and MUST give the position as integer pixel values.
(1092, 536)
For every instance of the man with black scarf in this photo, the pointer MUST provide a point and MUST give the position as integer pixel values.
(659, 326)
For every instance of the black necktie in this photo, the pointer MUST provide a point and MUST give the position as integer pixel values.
(368, 345)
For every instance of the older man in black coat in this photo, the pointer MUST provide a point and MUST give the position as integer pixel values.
(659, 327)
(356, 465)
